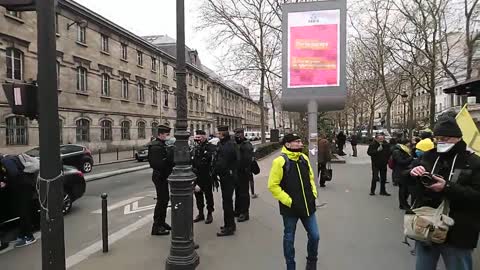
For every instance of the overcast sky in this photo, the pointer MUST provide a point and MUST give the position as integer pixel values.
(154, 17)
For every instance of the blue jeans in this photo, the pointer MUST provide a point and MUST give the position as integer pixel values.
(290, 226)
(454, 258)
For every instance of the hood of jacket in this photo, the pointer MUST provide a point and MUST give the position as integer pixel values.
(291, 155)
(404, 148)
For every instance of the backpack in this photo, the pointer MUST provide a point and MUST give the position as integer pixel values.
(288, 163)
(391, 163)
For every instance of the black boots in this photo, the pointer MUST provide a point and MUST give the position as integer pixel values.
(199, 218)
(311, 264)
(243, 217)
(161, 229)
(209, 218)
(226, 231)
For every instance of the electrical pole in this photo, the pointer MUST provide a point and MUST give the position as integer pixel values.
(51, 184)
(182, 252)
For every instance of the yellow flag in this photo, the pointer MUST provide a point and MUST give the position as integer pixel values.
(469, 130)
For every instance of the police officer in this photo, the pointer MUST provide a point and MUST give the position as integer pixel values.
(160, 157)
(225, 169)
(244, 173)
(202, 160)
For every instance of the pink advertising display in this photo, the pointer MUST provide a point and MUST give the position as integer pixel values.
(313, 53)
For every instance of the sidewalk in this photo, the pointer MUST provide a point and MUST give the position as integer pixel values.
(357, 232)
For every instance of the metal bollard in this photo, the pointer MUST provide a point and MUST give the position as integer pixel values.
(117, 154)
(99, 155)
(104, 222)
(133, 152)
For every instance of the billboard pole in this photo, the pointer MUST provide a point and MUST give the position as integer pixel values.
(313, 139)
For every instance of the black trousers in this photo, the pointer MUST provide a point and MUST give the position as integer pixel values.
(227, 186)
(322, 169)
(242, 197)
(163, 196)
(354, 148)
(403, 194)
(24, 203)
(205, 194)
(379, 173)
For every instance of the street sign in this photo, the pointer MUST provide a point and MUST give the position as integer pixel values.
(314, 55)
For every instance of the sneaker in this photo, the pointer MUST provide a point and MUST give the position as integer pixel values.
(25, 241)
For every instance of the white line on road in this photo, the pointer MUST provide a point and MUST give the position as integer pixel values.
(134, 208)
(114, 237)
(118, 204)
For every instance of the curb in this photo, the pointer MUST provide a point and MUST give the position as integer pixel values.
(114, 162)
(117, 172)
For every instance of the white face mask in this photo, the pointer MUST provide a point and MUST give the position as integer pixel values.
(444, 147)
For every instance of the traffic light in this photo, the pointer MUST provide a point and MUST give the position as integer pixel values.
(22, 98)
(18, 5)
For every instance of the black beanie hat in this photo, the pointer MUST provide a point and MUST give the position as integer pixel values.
(447, 126)
(290, 138)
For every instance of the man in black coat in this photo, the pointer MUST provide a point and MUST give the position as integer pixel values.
(160, 157)
(225, 169)
(244, 173)
(402, 158)
(456, 175)
(379, 151)
(202, 160)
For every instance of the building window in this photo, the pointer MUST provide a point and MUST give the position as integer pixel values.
(17, 14)
(83, 130)
(154, 129)
(201, 84)
(139, 58)
(197, 108)
(105, 46)
(17, 131)
(155, 95)
(58, 75)
(196, 81)
(14, 64)
(124, 88)
(141, 92)
(82, 79)
(125, 129)
(56, 24)
(174, 74)
(106, 130)
(141, 130)
(191, 103)
(81, 34)
(124, 51)
(165, 69)
(190, 78)
(105, 85)
(165, 98)
(154, 64)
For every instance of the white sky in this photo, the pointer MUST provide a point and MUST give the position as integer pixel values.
(154, 17)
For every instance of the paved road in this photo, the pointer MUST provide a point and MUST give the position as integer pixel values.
(357, 231)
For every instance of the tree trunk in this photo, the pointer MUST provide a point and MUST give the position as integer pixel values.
(432, 109)
(262, 105)
(410, 117)
(354, 121)
(389, 116)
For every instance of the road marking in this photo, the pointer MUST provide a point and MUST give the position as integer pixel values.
(112, 238)
(118, 204)
(135, 209)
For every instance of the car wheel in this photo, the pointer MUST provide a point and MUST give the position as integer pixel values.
(67, 203)
(87, 166)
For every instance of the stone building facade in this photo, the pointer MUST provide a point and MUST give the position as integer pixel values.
(114, 87)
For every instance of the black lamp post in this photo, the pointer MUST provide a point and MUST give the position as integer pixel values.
(404, 99)
(182, 252)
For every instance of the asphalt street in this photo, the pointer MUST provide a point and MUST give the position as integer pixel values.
(357, 231)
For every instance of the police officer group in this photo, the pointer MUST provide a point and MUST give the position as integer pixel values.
(226, 165)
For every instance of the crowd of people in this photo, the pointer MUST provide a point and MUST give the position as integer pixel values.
(438, 167)
(228, 164)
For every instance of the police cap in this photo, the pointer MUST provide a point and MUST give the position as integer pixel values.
(200, 132)
(222, 128)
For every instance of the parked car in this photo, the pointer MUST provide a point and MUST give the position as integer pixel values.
(141, 154)
(74, 155)
(74, 186)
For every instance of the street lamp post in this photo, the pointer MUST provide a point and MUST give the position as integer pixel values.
(182, 252)
(404, 99)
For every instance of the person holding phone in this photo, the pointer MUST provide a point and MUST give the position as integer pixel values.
(450, 160)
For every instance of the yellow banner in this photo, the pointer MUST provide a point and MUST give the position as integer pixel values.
(469, 130)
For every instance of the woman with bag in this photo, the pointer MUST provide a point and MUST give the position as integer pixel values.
(449, 181)
(324, 158)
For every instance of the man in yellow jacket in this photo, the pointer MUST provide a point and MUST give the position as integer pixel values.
(292, 183)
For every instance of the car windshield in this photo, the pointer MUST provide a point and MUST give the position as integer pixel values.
(35, 152)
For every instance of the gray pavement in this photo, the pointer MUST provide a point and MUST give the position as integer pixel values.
(357, 232)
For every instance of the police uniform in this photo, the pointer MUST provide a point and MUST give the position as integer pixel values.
(225, 169)
(244, 176)
(202, 163)
(160, 157)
